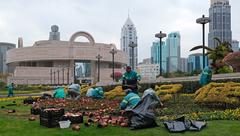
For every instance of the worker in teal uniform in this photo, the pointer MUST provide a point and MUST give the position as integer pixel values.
(130, 79)
(130, 100)
(74, 91)
(59, 93)
(96, 93)
(206, 76)
(10, 89)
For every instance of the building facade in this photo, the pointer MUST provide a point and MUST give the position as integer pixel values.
(148, 72)
(63, 62)
(173, 45)
(128, 36)
(4, 47)
(155, 54)
(235, 45)
(220, 24)
(195, 62)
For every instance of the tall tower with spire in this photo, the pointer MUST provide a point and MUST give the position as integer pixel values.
(220, 25)
(129, 35)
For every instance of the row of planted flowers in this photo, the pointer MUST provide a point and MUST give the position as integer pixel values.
(225, 93)
(17, 98)
(229, 114)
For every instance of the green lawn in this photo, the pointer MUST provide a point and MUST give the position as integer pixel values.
(17, 124)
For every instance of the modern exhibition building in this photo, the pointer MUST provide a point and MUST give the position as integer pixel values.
(61, 62)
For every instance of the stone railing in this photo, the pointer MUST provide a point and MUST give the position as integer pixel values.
(196, 78)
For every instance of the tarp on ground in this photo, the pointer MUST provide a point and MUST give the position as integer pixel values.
(182, 125)
(142, 115)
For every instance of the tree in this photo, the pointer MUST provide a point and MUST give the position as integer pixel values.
(217, 54)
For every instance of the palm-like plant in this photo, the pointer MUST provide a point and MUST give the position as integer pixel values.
(217, 54)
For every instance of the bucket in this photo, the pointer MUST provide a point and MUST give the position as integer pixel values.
(64, 124)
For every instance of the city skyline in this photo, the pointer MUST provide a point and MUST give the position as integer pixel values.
(104, 20)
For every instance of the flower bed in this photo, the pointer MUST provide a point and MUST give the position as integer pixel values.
(17, 98)
(84, 104)
(84, 88)
(166, 92)
(219, 94)
(116, 92)
(213, 115)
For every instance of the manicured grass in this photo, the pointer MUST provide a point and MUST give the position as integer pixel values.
(14, 126)
(17, 124)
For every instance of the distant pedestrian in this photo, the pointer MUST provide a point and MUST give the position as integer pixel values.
(10, 89)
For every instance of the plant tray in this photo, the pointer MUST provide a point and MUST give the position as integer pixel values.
(52, 114)
(50, 123)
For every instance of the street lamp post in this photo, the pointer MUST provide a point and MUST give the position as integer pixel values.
(160, 36)
(98, 57)
(132, 45)
(54, 81)
(203, 20)
(74, 72)
(68, 75)
(63, 75)
(58, 75)
(51, 75)
(113, 52)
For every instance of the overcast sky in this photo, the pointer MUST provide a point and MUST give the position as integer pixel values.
(32, 19)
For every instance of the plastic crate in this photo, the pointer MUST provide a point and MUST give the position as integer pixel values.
(50, 123)
(36, 111)
(52, 114)
(73, 119)
(26, 101)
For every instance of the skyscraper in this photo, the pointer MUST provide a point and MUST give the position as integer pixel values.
(4, 47)
(195, 62)
(155, 49)
(183, 63)
(173, 45)
(128, 35)
(235, 45)
(220, 25)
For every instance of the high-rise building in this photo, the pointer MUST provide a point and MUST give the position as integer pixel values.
(129, 35)
(4, 47)
(235, 45)
(195, 62)
(173, 45)
(183, 63)
(220, 25)
(155, 55)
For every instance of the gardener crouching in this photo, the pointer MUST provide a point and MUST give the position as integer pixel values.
(130, 100)
(59, 93)
(74, 91)
(96, 93)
